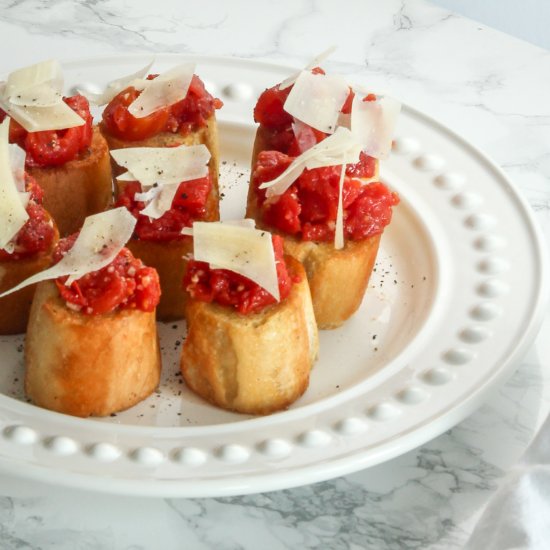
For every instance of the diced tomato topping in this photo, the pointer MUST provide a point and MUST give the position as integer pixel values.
(186, 115)
(230, 289)
(308, 208)
(55, 147)
(121, 124)
(189, 205)
(278, 126)
(38, 232)
(124, 284)
(269, 110)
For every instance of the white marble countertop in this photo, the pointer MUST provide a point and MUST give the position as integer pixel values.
(487, 86)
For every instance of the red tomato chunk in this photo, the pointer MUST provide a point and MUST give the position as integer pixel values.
(308, 208)
(278, 126)
(124, 284)
(55, 147)
(38, 232)
(230, 289)
(187, 115)
(189, 205)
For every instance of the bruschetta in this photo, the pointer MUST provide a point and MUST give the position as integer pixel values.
(30, 252)
(158, 240)
(66, 155)
(245, 350)
(305, 214)
(91, 346)
(331, 211)
(190, 120)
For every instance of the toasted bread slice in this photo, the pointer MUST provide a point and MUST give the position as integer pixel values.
(78, 188)
(170, 261)
(338, 279)
(254, 364)
(86, 365)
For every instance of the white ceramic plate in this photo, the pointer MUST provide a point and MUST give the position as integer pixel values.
(456, 298)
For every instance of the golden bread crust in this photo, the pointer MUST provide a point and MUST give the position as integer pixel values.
(78, 188)
(253, 364)
(337, 278)
(15, 308)
(207, 135)
(169, 259)
(88, 365)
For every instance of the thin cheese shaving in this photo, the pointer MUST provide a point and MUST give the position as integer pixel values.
(12, 209)
(339, 228)
(163, 167)
(315, 62)
(126, 176)
(33, 96)
(38, 85)
(339, 148)
(17, 163)
(100, 240)
(165, 90)
(161, 200)
(245, 222)
(116, 86)
(37, 119)
(244, 250)
(317, 99)
(373, 122)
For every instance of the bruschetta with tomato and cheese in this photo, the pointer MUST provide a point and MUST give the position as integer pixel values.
(252, 338)
(91, 347)
(66, 155)
(315, 181)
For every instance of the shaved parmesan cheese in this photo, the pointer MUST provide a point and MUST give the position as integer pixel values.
(33, 96)
(163, 165)
(373, 122)
(17, 164)
(12, 211)
(315, 62)
(246, 222)
(100, 240)
(37, 119)
(161, 201)
(165, 90)
(339, 148)
(339, 229)
(244, 250)
(38, 85)
(116, 86)
(126, 176)
(317, 99)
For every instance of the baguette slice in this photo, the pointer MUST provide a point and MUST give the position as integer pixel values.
(15, 308)
(88, 365)
(338, 279)
(78, 188)
(253, 364)
(170, 261)
(207, 135)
